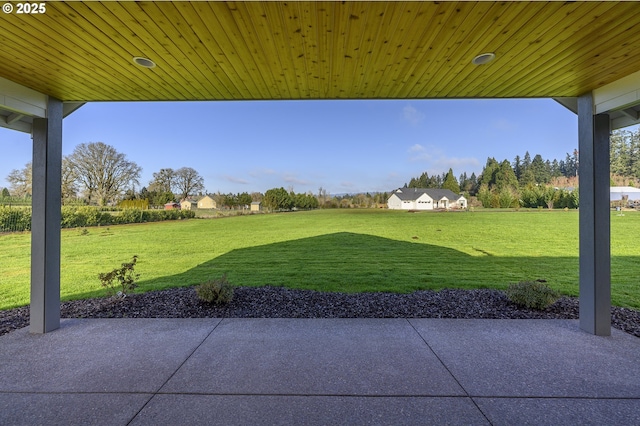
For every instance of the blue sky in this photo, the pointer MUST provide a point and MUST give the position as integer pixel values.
(342, 146)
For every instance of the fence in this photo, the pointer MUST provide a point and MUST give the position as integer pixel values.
(15, 218)
(18, 219)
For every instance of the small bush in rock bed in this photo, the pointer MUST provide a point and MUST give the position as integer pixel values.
(121, 281)
(532, 294)
(218, 291)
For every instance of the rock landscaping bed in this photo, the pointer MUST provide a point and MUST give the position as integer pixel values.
(278, 302)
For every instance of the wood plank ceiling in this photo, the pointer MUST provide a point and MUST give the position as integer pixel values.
(82, 51)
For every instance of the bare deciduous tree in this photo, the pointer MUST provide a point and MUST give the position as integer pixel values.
(188, 181)
(20, 181)
(163, 181)
(103, 172)
(69, 179)
(21, 185)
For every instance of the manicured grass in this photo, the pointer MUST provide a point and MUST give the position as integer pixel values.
(336, 250)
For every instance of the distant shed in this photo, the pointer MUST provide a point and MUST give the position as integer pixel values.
(188, 205)
(256, 206)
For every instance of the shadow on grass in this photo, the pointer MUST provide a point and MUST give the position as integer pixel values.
(349, 262)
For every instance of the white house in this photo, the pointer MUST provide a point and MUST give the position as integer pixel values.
(617, 193)
(425, 199)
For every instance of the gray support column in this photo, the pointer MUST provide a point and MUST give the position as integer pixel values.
(595, 219)
(45, 220)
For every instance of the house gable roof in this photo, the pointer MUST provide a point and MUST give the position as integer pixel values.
(412, 194)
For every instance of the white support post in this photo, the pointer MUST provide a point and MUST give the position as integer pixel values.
(595, 219)
(45, 221)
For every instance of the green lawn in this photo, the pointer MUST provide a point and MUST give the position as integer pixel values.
(336, 250)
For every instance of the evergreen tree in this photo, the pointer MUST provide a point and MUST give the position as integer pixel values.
(526, 163)
(504, 177)
(484, 195)
(547, 166)
(473, 184)
(555, 169)
(563, 168)
(635, 154)
(487, 177)
(571, 165)
(423, 180)
(277, 199)
(540, 172)
(465, 183)
(527, 178)
(517, 167)
(620, 153)
(244, 199)
(462, 179)
(451, 183)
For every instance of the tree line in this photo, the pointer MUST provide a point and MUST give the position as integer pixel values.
(536, 182)
(281, 199)
(523, 171)
(624, 151)
(169, 185)
(97, 174)
(525, 182)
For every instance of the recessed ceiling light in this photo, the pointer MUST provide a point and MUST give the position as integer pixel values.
(144, 62)
(484, 58)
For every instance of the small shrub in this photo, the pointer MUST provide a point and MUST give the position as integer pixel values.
(121, 281)
(532, 294)
(218, 291)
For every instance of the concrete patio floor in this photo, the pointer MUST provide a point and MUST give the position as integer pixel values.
(318, 372)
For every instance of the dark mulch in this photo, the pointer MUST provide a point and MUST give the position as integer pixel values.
(278, 302)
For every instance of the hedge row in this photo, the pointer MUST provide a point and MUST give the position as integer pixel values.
(16, 220)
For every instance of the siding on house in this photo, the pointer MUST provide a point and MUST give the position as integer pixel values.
(188, 205)
(207, 202)
(425, 199)
(617, 193)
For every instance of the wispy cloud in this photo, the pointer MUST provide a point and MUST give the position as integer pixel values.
(503, 124)
(291, 178)
(418, 152)
(262, 172)
(417, 148)
(412, 115)
(458, 164)
(436, 160)
(234, 179)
